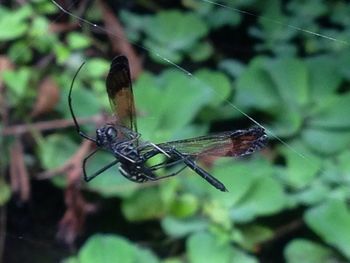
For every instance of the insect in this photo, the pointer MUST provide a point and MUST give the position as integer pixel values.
(132, 154)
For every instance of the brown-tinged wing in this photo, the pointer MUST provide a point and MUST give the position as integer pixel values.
(119, 89)
(232, 143)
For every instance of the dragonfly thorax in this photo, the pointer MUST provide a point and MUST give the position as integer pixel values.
(106, 136)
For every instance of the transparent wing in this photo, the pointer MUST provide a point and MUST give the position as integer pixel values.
(232, 143)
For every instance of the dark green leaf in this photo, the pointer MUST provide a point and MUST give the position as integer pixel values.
(179, 228)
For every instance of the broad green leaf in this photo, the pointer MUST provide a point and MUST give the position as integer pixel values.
(223, 16)
(303, 250)
(13, 23)
(266, 197)
(291, 81)
(180, 100)
(184, 206)
(255, 88)
(253, 235)
(77, 40)
(171, 29)
(55, 150)
(95, 68)
(302, 165)
(324, 76)
(232, 67)
(326, 141)
(111, 248)
(314, 194)
(144, 205)
(331, 221)
(18, 82)
(217, 83)
(179, 228)
(201, 51)
(204, 247)
(332, 113)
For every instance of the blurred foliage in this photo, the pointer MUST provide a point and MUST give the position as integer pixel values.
(291, 80)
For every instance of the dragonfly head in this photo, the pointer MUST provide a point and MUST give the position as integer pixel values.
(106, 135)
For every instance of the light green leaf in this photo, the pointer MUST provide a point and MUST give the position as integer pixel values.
(252, 83)
(326, 141)
(331, 221)
(266, 197)
(302, 250)
(291, 80)
(110, 248)
(217, 83)
(179, 228)
(204, 247)
(332, 112)
(144, 205)
(55, 150)
(302, 165)
(324, 76)
(77, 40)
(13, 23)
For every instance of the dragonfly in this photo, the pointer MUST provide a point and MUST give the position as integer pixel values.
(133, 155)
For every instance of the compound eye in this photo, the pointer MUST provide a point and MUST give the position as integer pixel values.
(112, 132)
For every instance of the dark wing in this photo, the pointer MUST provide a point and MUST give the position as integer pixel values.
(232, 143)
(120, 93)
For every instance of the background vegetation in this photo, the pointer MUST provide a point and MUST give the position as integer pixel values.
(288, 203)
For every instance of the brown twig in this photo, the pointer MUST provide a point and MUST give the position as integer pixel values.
(50, 125)
(114, 28)
(73, 165)
(18, 171)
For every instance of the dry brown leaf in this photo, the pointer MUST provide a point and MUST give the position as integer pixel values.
(47, 97)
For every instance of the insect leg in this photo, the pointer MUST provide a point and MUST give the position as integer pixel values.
(77, 127)
(89, 178)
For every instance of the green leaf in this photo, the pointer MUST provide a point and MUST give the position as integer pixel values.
(204, 247)
(253, 235)
(77, 40)
(254, 82)
(13, 23)
(110, 248)
(179, 228)
(222, 16)
(331, 221)
(332, 113)
(326, 141)
(291, 80)
(55, 150)
(201, 51)
(184, 206)
(302, 250)
(95, 68)
(134, 207)
(18, 82)
(178, 95)
(217, 83)
(324, 76)
(171, 29)
(266, 197)
(302, 165)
